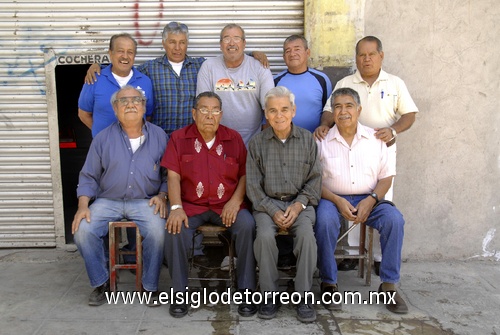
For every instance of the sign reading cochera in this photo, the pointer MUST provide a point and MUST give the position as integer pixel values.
(82, 59)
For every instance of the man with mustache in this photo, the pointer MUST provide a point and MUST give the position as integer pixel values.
(239, 80)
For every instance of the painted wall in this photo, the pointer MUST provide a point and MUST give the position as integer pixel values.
(448, 163)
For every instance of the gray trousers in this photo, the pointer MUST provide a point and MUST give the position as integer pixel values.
(304, 249)
(178, 248)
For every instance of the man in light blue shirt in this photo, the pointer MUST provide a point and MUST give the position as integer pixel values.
(122, 175)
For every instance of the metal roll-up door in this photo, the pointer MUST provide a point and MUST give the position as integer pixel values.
(36, 34)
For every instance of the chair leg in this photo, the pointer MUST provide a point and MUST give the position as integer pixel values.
(370, 258)
(138, 260)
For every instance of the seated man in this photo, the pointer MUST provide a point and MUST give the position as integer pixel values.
(284, 183)
(122, 174)
(356, 175)
(206, 184)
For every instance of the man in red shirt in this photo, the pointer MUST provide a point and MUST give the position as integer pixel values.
(206, 184)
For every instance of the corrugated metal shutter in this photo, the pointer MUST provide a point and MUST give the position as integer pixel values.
(34, 33)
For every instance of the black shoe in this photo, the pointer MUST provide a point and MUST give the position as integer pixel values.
(305, 312)
(268, 311)
(98, 295)
(376, 266)
(347, 264)
(247, 309)
(154, 298)
(329, 298)
(178, 310)
(286, 262)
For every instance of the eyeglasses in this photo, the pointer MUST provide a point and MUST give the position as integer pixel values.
(236, 39)
(205, 111)
(126, 100)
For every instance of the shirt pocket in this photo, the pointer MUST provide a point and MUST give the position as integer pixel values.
(188, 166)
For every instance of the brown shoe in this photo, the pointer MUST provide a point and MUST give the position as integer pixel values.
(396, 303)
(331, 300)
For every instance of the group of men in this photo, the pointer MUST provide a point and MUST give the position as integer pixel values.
(191, 165)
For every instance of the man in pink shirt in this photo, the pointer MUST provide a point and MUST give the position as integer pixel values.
(357, 172)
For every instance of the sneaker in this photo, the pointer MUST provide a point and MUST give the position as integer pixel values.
(98, 295)
(305, 312)
(224, 266)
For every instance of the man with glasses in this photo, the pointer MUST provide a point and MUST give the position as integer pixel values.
(206, 184)
(239, 80)
(122, 174)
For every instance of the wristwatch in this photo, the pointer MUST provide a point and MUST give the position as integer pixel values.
(393, 131)
(174, 207)
(374, 196)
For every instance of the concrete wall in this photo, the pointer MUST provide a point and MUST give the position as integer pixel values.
(448, 163)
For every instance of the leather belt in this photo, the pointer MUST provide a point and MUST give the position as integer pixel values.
(286, 197)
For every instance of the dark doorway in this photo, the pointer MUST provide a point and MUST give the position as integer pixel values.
(74, 136)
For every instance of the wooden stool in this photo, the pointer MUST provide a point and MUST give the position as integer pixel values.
(364, 253)
(115, 252)
(212, 236)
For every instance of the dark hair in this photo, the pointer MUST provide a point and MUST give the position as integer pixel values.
(370, 39)
(292, 38)
(115, 37)
(346, 91)
(207, 94)
(232, 25)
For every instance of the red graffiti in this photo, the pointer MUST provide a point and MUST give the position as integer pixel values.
(137, 25)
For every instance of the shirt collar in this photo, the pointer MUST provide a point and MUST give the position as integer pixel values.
(360, 132)
(269, 133)
(221, 135)
(381, 76)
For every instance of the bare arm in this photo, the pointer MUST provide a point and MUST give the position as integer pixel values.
(404, 123)
(85, 117)
(176, 217)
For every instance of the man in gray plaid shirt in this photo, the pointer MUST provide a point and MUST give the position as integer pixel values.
(284, 183)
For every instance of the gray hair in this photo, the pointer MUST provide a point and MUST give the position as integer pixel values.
(370, 39)
(292, 38)
(127, 87)
(125, 35)
(232, 25)
(175, 28)
(280, 92)
(346, 91)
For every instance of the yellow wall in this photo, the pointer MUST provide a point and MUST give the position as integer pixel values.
(332, 28)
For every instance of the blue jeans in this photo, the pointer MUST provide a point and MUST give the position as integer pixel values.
(387, 219)
(89, 236)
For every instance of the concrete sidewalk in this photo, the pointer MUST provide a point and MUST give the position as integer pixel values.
(45, 291)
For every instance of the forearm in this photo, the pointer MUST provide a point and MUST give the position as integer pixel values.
(404, 122)
(86, 118)
(382, 187)
(327, 119)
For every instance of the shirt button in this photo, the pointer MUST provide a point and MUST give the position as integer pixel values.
(131, 173)
(130, 186)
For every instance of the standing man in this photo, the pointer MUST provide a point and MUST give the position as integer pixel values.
(357, 172)
(94, 107)
(311, 87)
(284, 183)
(122, 174)
(206, 184)
(387, 105)
(239, 80)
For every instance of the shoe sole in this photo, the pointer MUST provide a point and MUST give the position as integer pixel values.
(178, 315)
(333, 308)
(97, 303)
(311, 319)
(267, 317)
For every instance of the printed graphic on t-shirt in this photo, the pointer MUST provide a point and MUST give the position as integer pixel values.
(226, 84)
